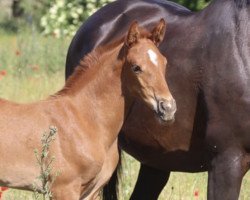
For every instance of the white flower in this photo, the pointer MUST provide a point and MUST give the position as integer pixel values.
(60, 3)
(62, 18)
(43, 21)
(53, 10)
(74, 15)
(79, 11)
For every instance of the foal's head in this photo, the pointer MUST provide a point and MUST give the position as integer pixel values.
(145, 69)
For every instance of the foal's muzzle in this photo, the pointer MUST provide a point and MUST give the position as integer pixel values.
(166, 109)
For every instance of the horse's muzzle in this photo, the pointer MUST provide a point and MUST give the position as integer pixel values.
(166, 110)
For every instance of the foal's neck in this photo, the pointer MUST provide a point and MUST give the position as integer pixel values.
(98, 95)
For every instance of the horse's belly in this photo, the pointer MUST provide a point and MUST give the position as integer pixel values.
(18, 175)
(168, 147)
(165, 148)
(18, 164)
(193, 160)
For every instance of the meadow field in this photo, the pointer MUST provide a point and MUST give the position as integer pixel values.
(32, 67)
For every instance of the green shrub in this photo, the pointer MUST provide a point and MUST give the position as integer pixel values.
(65, 16)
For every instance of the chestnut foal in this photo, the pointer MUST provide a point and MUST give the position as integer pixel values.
(88, 112)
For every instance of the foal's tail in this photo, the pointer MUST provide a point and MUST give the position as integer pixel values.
(111, 189)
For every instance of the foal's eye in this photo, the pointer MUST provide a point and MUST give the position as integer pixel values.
(136, 69)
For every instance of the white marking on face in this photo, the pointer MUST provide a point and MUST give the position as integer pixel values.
(152, 56)
(154, 103)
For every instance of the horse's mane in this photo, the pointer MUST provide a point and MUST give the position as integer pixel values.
(93, 60)
(242, 3)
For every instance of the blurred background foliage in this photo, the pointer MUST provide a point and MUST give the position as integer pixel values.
(193, 5)
(58, 17)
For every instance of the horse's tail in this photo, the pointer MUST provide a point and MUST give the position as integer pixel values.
(111, 189)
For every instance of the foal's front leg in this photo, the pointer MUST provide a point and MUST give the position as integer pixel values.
(109, 166)
(69, 191)
(226, 174)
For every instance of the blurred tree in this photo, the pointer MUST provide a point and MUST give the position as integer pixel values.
(63, 17)
(34, 10)
(17, 10)
(27, 11)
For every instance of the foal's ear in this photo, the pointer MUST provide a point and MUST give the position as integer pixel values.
(133, 34)
(158, 32)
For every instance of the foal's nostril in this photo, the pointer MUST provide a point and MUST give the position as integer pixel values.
(173, 106)
(166, 109)
(162, 107)
(167, 106)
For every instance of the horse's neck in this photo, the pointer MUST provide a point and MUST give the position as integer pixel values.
(100, 99)
(223, 24)
(216, 37)
(224, 44)
(225, 12)
(228, 21)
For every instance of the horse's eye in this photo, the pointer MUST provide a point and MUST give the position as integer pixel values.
(136, 69)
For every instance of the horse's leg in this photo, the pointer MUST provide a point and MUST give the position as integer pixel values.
(69, 191)
(87, 185)
(109, 166)
(150, 183)
(226, 174)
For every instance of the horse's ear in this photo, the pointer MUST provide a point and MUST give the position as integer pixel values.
(158, 32)
(133, 34)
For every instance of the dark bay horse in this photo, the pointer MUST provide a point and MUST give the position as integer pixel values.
(208, 75)
(88, 112)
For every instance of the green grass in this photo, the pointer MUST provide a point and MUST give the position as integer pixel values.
(34, 67)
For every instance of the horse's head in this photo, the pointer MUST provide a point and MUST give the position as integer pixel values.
(145, 69)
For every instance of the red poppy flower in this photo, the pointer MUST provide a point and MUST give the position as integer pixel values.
(35, 67)
(4, 188)
(18, 53)
(3, 72)
(196, 193)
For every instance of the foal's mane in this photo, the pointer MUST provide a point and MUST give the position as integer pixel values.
(93, 61)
